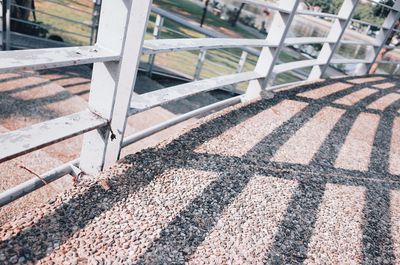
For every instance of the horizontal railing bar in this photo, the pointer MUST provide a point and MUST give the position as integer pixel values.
(265, 4)
(368, 23)
(37, 59)
(166, 29)
(170, 45)
(349, 61)
(317, 14)
(47, 27)
(169, 123)
(52, 15)
(358, 42)
(33, 184)
(304, 40)
(58, 43)
(28, 139)
(388, 62)
(285, 67)
(156, 98)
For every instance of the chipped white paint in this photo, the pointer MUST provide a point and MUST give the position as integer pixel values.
(173, 45)
(112, 83)
(24, 60)
(31, 138)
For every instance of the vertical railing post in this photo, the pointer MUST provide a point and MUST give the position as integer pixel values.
(200, 63)
(156, 35)
(6, 24)
(383, 35)
(335, 35)
(269, 55)
(121, 29)
(95, 21)
(242, 62)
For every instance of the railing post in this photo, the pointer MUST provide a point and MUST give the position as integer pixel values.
(95, 21)
(384, 33)
(269, 55)
(242, 62)
(121, 29)
(6, 24)
(200, 63)
(335, 35)
(156, 35)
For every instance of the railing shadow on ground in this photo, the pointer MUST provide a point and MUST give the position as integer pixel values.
(291, 241)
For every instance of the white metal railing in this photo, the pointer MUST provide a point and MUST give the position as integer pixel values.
(116, 57)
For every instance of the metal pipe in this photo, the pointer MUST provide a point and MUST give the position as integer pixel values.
(33, 184)
(156, 35)
(169, 123)
(6, 24)
(200, 63)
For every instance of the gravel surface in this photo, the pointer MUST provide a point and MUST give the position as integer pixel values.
(305, 177)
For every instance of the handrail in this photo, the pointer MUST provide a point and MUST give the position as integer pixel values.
(26, 140)
(38, 59)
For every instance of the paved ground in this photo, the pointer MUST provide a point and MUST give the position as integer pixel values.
(311, 176)
(30, 97)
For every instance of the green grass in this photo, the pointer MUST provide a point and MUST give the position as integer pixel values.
(194, 12)
(49, 7)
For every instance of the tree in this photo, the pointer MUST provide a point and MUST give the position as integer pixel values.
(381, 11)
(325, 5)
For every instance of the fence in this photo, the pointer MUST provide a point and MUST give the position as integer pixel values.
(116, 57)
(48, 24)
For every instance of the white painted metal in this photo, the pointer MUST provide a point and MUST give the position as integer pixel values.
(269, 55)
(163, 96)
(122, 29)
(359, 42)
(349, 61)
(174, 45)
(318, 14)
(242, 62)
(6, 24)
(370, 24)
(22, 141)
(304, 40)
(388, 62)
(334, 37)
(22, 60)
(265, 4)
(156, 35)
(285, 67)
(200, 63)
(33, 184)
(384, 33)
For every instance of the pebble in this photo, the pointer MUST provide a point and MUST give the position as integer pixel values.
(177, 203)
